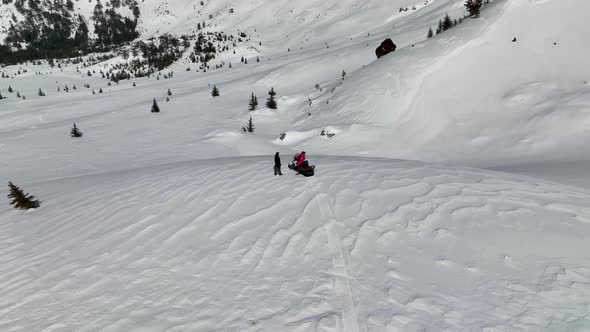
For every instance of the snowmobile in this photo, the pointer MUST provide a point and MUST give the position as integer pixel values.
(305, 169)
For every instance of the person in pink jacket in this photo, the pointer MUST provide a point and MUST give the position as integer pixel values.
(300, 158)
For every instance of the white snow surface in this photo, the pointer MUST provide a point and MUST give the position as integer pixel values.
(219, 245)
(174, 222)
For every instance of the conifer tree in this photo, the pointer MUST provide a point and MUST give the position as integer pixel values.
(169, 92)
(271, 102)
(473, 7)
(10, 89)
(155, 107)
(215, 91)
(440, 26)
(249, 127)
(1, 97)
(430, 33)
(75, 132)
(20, 200)
(447, 23)
(100, 90)
(253, 102)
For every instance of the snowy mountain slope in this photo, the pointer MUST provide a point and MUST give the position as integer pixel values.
(365, 245)
(421, 102)
(139, 230)
(471, 95)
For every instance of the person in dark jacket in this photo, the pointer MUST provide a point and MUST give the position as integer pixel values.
(278, 164)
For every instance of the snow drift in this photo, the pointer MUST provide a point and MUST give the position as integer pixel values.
(365, 245)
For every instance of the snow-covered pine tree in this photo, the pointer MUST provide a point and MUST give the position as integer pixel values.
(75, 132)
(10, 89)
(215, 91)
(430, 33)
(169, 92)
(155, 107)
(253, 104)
(271, 102)
(20, 200)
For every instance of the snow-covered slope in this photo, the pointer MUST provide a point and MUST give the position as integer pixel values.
(139, 230)
(365, 245)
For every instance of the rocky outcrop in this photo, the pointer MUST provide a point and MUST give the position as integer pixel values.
(386, 47)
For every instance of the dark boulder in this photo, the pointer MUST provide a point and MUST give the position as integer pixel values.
(386, 47)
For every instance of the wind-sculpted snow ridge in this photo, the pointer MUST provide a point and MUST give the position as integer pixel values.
(365, 245)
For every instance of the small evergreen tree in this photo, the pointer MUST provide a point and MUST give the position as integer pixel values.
(249, 127)
(430, 33)
(1, 97)
(343, 75)
(473, 7)
(253, 104)
(215, 91)
(100, 90)
(169, 92)
(10, 89)
(134, 84)
(440, 26)
(41, 93)
(20, 200)
(75, 132)
(167, 99)
(447, 23)
(155, 107)
(271, 102)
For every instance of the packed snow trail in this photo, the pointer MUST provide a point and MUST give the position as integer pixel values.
(366, 244)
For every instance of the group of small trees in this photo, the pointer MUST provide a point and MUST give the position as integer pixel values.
(11, 90)
(472, 6)
(271, 103)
